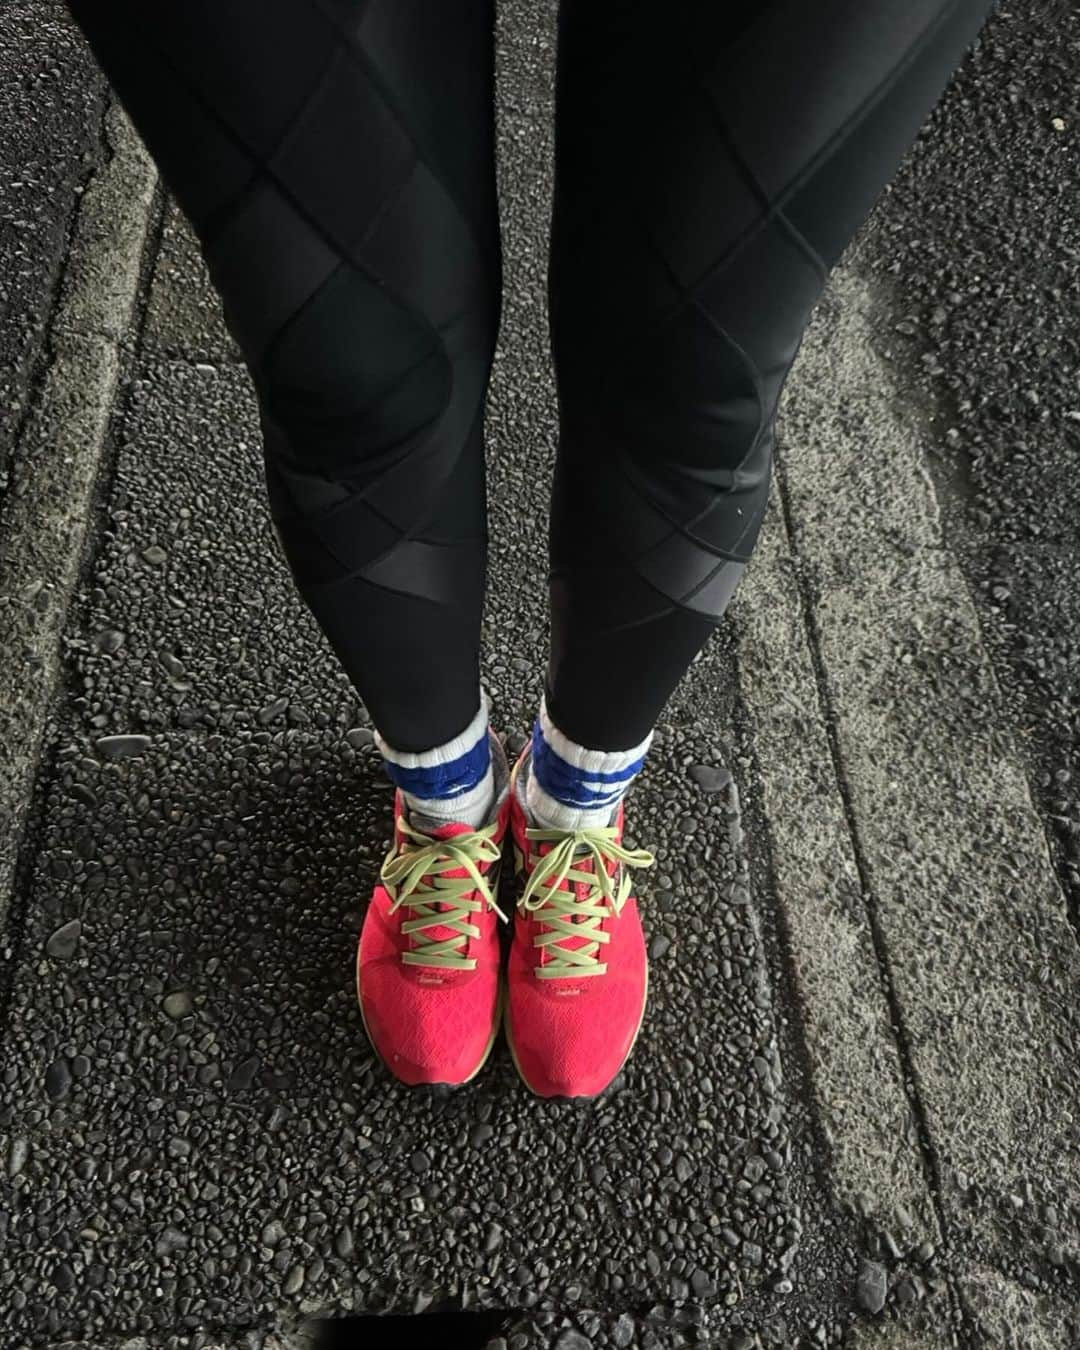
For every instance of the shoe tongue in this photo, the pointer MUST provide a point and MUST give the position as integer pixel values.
(437, 829)
(583, 861)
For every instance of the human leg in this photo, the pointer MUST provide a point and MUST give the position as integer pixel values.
(336, 161)
(712, 162)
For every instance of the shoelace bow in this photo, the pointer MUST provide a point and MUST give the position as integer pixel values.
(563, 912)
(415, 876)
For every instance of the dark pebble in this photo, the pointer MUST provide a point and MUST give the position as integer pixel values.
(58, 1079)
(109, 640)
(572, 1340)
(178, 1004)
(622, 1333)
(20, 1151)
(272, 711)
(702, 1286)
(122, 747)
(170, 1240)
(243, 1075)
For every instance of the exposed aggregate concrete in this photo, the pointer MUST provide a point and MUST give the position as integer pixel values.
(244, 829)
(51, 100)
(979, 242)
(206, 1139)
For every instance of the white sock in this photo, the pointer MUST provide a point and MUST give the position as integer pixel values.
(570, 787)
(448, 784)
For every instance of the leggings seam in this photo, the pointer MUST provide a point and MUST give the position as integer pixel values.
(683, 528)
(355, 49)
(846, 129)
(670, 605)
(220, 218)
(689, 293)
(328, 512)
(312, 220)
(404, 535)
(744, 167)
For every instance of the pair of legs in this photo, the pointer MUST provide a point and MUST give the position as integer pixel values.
(336, 159)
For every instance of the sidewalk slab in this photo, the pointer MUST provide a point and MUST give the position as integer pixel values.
(1008, 1315)
(193, 1102)
(875, 1168)
(44, 515)
(895, 1336)
(51, 103)
(970, 927)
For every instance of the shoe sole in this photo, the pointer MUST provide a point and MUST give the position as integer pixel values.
(434, 1083)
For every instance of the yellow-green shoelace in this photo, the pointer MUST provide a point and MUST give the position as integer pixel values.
(563, 913)
(415, 875)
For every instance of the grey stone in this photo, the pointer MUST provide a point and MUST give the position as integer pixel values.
(871, 1286)
(177, 1004)
(64, 942)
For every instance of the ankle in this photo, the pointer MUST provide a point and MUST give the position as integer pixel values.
(452, 783)
(569, 786)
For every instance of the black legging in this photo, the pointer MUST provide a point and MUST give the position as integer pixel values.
(336, 158)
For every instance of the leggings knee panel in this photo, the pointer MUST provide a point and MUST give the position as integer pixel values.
(353, 377)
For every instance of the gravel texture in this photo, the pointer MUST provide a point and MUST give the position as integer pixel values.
(51, 100)
(193, 1131)
(208, 1140)
(979, 241)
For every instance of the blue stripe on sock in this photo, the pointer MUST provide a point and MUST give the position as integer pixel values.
(444, 780)
(573, 786)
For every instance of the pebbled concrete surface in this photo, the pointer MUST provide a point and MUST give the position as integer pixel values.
(51, 102)
(192, 1129)
(979, 245)
(1017, 1318)
(970, 925)
(197, 1132)
(44, 517)
(875, 1165)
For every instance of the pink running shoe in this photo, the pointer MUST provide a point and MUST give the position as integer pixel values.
(578, 972)
(427, 969)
